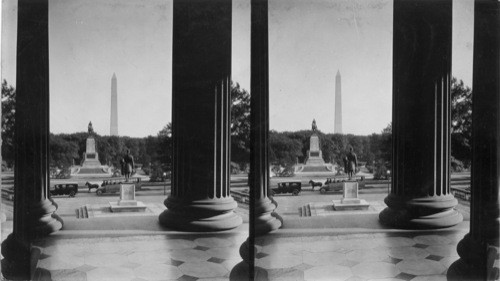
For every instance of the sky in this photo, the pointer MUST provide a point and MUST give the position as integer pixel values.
(309, 41)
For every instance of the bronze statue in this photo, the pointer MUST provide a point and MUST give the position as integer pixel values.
(128, 165)
(314, 128)
(90, 129)
(352, 163)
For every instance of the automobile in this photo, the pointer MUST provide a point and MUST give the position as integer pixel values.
(331, 185)
(70, 189)
(337, 185)
(293, 187)
(110, 187)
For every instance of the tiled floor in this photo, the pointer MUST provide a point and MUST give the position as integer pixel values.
(379, 256)
(158, 257)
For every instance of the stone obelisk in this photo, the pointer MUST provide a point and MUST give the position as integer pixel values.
(337, 129)
(114, 108)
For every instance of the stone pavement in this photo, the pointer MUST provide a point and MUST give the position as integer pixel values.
(396, 255)
(142, 257)
(340, 246)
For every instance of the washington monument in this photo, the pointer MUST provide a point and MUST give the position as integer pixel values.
(337, 129)
(114, 108)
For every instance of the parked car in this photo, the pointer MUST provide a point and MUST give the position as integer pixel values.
(293, 187)
(111, 187)
(70, 189)
(336, 185)
(331, 185)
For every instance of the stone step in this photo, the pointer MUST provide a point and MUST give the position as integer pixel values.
(82, 212)
(305, 211)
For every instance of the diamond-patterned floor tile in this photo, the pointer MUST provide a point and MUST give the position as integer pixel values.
(434, 258)
(261, 255)
(405, 276)
(187, 278)
(174, 262)
(215, 260)
(421, 246)
(201, 248)
(392, 260)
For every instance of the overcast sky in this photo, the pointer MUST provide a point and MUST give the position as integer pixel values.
(309, 41)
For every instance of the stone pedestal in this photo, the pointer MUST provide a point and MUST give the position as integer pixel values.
(420, 190)
(33, 210)
(127, 202)
(201, 84)
(314, 155)
(91, 157)
(478, 250)
(350, 200)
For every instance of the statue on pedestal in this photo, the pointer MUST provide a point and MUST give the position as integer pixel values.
(90, 129)
(128, 165)
(352, 162)
(314, 127)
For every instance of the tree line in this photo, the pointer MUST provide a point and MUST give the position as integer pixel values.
(285, 148)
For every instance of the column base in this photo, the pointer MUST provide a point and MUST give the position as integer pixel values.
(200, 215)
(16, 264)
(420, 213)
(43, 220)
(265, 219)
(477, 261)
(241, 271)
(461, 271)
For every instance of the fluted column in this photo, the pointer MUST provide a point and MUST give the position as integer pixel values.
(33, 210)
(263, 221)
(200, 199)
(475, 261)
(420, 196)
(261, 207)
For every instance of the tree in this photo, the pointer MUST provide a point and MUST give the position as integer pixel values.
(461, 122)
(283, 150)
(8, 119)
(164, 148)
(62, 152)
(240, 125)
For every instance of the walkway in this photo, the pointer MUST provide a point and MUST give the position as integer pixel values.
(391, 255)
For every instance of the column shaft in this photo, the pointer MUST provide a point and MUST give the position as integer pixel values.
(420, 195)
(262, 218)
(200, 199)
(264, 222)
(475, 261)
(33, 210)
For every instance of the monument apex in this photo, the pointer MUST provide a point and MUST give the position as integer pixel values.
(337, 129)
